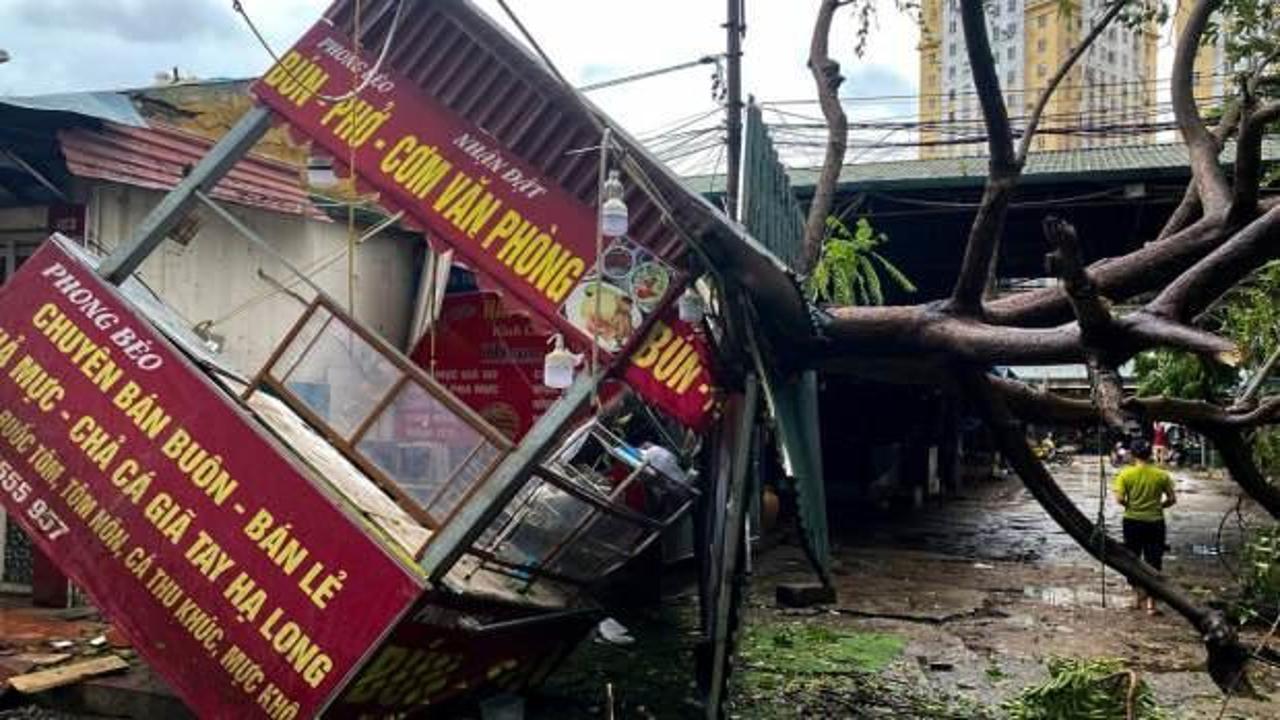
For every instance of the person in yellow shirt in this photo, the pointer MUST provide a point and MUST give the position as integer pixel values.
(1144, 491)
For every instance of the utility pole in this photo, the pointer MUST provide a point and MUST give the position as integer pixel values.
(735, 29)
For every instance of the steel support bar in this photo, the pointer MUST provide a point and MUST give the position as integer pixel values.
(730, 543)
(248, 234)
(486, 502)
(121, 263)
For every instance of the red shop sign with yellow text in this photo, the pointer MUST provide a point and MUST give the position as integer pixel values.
(523, 230)
(233, 574)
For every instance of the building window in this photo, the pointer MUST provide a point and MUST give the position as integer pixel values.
(1041, 70)
(951, 116)
(1013, 5)
(1008, 53)
(951, 50)
(1041, 21)
(951, 72)
(1041, 45)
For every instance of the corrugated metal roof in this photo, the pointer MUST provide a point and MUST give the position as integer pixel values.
(458, 55)
(159, 157)
(1042, 166)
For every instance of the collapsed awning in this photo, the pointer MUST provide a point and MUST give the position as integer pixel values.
(455, 53)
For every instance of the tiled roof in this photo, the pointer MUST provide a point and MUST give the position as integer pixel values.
(1167, 158)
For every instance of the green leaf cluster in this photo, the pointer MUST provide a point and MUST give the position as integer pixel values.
(1085, 689)
(848, 272)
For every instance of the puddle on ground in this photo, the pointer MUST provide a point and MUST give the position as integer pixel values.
(1206, 550)
(1064, 596)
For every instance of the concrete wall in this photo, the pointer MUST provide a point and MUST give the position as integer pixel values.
(219, 276)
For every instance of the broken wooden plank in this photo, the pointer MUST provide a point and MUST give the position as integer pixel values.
(42, 680)
(38, 659)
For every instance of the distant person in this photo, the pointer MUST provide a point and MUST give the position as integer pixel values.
(1160, 442)
(1144, 491)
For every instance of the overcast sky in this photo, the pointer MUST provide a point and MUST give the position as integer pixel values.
(62, 45)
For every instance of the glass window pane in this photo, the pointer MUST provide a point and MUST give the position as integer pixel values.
(545, 523)
(608, 542)
(420, 444)
(289, 358)
(341, 377)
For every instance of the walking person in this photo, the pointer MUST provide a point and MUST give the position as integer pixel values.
(1144, 490)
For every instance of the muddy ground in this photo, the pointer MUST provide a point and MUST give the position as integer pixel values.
(942, 613)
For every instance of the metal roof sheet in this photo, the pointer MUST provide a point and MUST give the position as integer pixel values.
(1041, 166)
(106, 105)
(160, 156)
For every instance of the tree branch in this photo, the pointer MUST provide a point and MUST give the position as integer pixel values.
(1227, 659)
(827, 79)
(1207, 173)
(1097, 327)
(1033, 121)
(1201, 284)
(1189, 207)
(983, 246)
(1142, 270)
(1043, 407)
(1248, 170)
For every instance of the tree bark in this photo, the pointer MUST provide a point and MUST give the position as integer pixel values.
(1210, 182)
(827, 79)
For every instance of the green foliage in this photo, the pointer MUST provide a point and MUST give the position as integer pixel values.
(1260, 575)
(1096, 689)
(809, 648)
(848, 273)
(1183, 375)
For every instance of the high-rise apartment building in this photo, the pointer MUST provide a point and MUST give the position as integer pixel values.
(1108, 98)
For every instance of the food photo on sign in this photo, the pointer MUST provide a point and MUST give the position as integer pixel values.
(612, 304)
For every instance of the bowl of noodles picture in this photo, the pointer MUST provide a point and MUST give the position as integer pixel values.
(604, 311)
(649, 283)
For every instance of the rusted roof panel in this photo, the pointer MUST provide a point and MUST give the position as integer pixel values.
(455, 53)
(159, 157)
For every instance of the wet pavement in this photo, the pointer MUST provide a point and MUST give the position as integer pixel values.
(985, 588)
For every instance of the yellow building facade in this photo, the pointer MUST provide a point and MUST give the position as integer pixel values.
(1108, 98)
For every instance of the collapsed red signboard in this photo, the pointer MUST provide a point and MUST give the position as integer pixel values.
(233, 575)
(672, 369)
(528, 234)
(491, 359)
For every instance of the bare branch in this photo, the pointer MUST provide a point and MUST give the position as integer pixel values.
(1189, 207)
(1248, 171)
(1210, 181)
(1143, 270)
(1039, 406)
(1227, 659)
(1033, 121)
(899, 330)
(1250, 393)
(827, 79)
(1097, 327)
(986, 83)
(983, 245)
(1218, 271)
(1144, 329)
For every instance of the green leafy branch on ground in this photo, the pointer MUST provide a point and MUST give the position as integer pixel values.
(1090, 689)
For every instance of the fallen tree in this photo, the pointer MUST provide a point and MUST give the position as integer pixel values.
(1221, 232)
